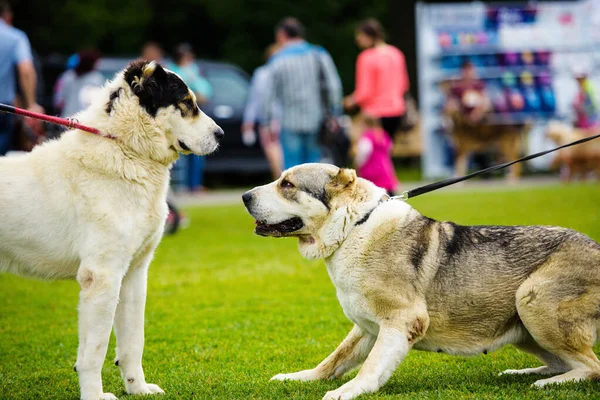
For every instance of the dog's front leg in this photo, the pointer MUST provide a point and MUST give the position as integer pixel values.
(129, 329)
(100, 284)
(349, 354)
(393, 343)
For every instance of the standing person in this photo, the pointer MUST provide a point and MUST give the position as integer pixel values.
(254, 115)
(298, 72)
(186, 67)
(467, 105)
(374, 156)
(381, 77)
(587, 116)
(78, 88)
(468, 96)
(58, 92)
(15, 51)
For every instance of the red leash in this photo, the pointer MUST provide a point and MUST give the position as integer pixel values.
(68, 122)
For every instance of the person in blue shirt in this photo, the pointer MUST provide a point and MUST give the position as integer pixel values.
(15, 51)
(186, 67)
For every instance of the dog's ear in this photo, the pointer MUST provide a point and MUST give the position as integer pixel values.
(344, 179)
(112, 99)
(146, 80)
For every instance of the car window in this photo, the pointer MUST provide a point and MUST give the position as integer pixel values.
(229, 87)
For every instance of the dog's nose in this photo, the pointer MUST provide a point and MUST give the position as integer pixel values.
(219, 134)
(247, 197)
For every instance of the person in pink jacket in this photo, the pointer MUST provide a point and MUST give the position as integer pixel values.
(381, 77)
(373, 156)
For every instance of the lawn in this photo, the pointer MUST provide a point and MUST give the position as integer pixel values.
(227, 310)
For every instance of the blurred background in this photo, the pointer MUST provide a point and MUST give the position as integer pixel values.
(403, 91)
(481, 82)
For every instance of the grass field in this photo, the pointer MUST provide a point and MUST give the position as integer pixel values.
(227, 310)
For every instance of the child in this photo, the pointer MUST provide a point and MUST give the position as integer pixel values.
(373, 156)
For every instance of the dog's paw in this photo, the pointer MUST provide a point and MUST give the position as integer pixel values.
(542, 382)
(103, 396)
(307, 375)
(345, 392)
(543, 370)
(510, 372)
(145, 388)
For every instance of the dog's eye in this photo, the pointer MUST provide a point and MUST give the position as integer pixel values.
(189, 103)
(287, 184)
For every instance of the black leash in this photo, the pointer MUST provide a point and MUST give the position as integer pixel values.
(409, 194)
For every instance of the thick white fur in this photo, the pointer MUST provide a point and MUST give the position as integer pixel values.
(92, 208)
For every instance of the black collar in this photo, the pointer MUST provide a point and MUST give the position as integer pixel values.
(364, 219)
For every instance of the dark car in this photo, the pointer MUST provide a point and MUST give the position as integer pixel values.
(230, 89)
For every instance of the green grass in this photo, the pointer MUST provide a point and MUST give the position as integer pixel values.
(408, 174)
(227, 310)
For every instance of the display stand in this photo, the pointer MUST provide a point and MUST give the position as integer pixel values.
(527, 55)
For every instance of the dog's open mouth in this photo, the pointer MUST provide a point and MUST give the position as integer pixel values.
(281, 229)
(183, 146)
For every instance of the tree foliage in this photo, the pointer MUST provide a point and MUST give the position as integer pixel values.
(232, 30)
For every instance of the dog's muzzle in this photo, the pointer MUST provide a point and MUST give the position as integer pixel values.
(283, 228)
(219, 133)
(247, 198)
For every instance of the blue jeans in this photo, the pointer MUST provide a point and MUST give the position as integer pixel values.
(7, 128)
(299, 148)
(194, 171)
(188, 172)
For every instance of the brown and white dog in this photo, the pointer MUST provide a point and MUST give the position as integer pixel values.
(577, 161)
(468, 138)
(407, 281)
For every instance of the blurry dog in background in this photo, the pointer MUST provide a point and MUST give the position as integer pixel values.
(578, 161)
(468, 138)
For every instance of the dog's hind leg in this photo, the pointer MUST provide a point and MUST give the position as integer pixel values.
(461, 163)
(509, 146)
(554, 364)
(348, 355)
(559, 314)
(129, 327)
(100, 283)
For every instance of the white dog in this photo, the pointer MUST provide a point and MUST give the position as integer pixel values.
(92, 207)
